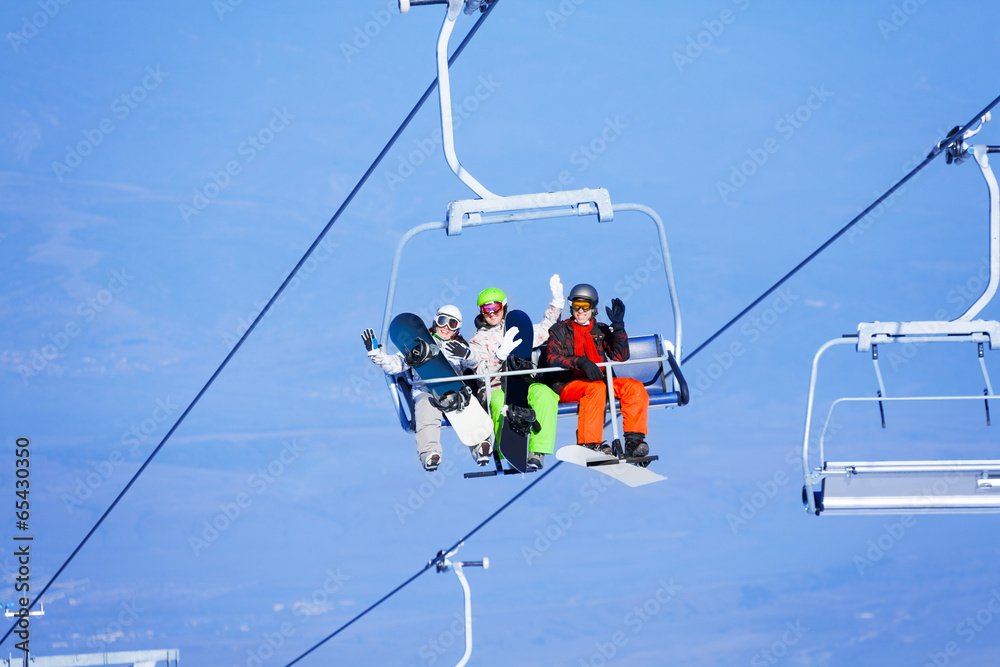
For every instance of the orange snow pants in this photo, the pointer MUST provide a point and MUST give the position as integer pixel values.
(593, 398)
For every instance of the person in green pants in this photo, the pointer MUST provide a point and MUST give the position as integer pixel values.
(494, 343)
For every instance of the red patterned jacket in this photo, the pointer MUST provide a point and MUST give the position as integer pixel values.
(561, 351)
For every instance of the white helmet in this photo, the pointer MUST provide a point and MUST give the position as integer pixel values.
(450, 311)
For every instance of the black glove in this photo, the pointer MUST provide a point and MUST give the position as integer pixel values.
(593, 371)
(616, 314)
(457, 349)
(368, 336)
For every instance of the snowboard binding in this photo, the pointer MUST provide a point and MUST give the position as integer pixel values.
(522, 420)
(420, 353)
(453, 401)
(632, 452)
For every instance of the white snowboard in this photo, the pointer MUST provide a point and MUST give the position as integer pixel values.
(472, 425)
(627, 473)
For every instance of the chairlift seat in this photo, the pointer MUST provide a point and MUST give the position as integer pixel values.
(910, 487)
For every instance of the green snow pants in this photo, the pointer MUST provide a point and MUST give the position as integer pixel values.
(545, 403)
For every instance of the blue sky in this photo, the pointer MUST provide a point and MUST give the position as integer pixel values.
(163, 169)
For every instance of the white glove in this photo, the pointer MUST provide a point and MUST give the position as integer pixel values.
(510, 341)
(558, 298)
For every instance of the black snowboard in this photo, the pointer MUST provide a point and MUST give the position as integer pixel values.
(514, 434)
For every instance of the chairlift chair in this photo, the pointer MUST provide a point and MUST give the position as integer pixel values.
(665, 384)
(905, 487)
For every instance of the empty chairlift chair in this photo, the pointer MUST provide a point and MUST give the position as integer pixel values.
(910, 486)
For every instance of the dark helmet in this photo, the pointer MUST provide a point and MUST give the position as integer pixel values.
(583, 292)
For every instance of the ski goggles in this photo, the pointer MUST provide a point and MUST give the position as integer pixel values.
(491, 307)
(581, 305)
(446, 321)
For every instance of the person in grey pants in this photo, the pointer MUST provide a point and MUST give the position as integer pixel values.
(427, 416)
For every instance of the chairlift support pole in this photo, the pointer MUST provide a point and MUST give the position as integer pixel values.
(444, 86)
(443, 565)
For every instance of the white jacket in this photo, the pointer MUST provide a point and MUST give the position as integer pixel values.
(487, 340)
(395, 364)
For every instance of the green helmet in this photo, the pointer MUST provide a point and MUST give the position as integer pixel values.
(491, 294)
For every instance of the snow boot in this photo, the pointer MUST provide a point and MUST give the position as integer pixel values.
(431, 461)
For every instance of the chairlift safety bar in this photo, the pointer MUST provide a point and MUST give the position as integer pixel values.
(860, 467)
(554, 369)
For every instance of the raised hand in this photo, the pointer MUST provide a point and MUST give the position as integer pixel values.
(616, 314)
(558, 296)
(368, 337)
(510, 341)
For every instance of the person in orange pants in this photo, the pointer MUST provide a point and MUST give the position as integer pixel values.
(578, 344)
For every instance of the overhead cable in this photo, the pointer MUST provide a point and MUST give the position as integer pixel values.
(940, 148)
(264, 311)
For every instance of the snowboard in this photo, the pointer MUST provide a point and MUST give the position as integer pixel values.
(612, 466)
(514, 433)
(471, 423)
